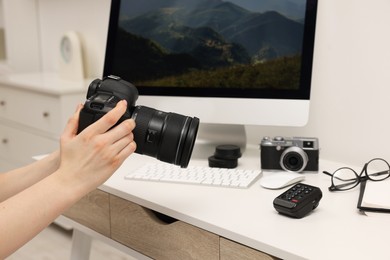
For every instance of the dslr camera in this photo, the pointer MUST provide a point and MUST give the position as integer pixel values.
(169, 137)
(294, 154)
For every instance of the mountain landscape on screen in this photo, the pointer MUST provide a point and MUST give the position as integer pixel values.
(211, 43)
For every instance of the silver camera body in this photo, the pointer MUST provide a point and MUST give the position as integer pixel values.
(294, 154)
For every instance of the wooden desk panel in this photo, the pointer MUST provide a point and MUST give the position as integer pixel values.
(232, 251)
(139, 229)
(92, 211)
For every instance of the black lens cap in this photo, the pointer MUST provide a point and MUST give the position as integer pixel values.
(227, 151)
(222, 163)
(225, 156)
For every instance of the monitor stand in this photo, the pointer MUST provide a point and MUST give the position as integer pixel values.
(211, 135)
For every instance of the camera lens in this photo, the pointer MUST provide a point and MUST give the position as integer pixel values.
(293, 159)
(169, 137)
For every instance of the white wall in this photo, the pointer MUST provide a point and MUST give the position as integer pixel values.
(34, 29)
(350, 110)
(21, 34)
(89, 18)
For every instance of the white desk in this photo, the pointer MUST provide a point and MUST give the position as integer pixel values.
(335, 230)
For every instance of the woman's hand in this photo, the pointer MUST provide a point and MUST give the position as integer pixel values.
(92, 156)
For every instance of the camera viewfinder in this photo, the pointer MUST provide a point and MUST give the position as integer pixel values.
(308, 144)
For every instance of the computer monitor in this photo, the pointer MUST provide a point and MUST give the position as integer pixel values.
(230, 63)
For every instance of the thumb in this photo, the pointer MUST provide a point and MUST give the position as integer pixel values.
(73, 124)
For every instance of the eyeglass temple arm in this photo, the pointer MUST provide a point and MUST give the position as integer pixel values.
(379, 173)
(327, 173)
(340, 186)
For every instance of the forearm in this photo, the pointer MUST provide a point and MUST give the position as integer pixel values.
(86, 161)
(17, 180)
(30, 211)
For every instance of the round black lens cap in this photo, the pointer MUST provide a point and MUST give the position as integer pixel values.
(227, 151)
(222, 163)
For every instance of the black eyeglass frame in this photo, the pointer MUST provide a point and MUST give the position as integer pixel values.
(363, 176)
(363, 181)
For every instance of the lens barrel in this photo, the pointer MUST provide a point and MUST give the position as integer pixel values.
(293, 159)
(169, 137)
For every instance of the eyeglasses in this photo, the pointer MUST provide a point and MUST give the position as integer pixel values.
(346, 178)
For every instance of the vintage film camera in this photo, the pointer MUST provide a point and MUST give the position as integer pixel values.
(294, 154)
(169, 137)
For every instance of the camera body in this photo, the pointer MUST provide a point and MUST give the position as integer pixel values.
(103, 95)
(294, 154)
(169, 137)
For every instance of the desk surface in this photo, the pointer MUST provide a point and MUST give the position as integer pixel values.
(335, 230)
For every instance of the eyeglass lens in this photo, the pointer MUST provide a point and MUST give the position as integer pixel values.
(377, 169)
(345, 178)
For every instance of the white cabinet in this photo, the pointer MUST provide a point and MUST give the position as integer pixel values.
(34, 109)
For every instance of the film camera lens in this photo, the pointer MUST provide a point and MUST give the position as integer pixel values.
(293, 159)
(169, 137)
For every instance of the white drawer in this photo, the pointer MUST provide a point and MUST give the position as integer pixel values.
(18, 146)
(32, 109)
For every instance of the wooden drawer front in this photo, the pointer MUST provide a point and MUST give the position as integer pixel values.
(232, 251)
(139, 229)
(32, 109)
(19, 146)
(92, 211)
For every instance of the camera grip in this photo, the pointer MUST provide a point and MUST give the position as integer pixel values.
(86, 118)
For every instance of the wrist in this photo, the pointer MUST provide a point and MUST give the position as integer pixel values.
(53, 160)
(48, 164)
(75, 188)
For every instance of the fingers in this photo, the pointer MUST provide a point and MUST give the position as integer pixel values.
(73, 123)
(127, 151)
(123, 129)
(107, 121)
(117, 139)
(126, 143)
(120, 141)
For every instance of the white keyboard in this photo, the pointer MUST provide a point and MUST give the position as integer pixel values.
(235, 178)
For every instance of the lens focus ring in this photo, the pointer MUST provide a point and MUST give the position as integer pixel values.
(142, 116)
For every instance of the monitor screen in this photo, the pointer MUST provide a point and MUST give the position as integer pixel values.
(224, 61)
(213, 48)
